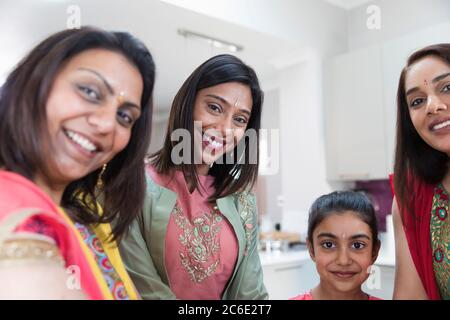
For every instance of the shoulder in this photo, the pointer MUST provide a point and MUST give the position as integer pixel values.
(245, 202)
(245, 198)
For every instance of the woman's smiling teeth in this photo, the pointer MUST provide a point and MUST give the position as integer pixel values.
(212, 142)
(441, 125)
(81, 141)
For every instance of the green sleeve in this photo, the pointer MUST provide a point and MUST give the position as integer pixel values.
(248, 283)
(138, 261)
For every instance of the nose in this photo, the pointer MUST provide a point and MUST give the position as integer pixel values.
(343, 258)
(435, 104)
(103, 119)
(225, 127)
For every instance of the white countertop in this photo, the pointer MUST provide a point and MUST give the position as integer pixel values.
(283, 257)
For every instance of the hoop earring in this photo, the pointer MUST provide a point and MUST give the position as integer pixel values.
(100, 176)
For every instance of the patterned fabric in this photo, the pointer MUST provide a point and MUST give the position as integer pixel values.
(37, 225)
(201, 242)
(115, 283)
(201, 247)
(440, 240)
(30, 249)
(248, 204)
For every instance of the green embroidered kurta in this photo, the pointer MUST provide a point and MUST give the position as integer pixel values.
(143, 248)
(440, 240)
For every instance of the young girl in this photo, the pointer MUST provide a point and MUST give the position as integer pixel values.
(197, 237)
(343, 242)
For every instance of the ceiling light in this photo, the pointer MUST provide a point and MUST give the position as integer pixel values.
(217, 43)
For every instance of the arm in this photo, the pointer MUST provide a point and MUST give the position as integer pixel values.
(139, 264)
(407, 282)
(27, 272)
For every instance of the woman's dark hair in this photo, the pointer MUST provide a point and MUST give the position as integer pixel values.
(339, 202)
(229, 177)
(415, 160)
(23, 117)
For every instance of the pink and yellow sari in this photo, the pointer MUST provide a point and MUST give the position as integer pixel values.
(21, 201)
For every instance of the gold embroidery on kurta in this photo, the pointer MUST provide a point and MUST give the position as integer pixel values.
(201, 241)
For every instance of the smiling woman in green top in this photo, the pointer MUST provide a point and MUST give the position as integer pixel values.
(197, 236)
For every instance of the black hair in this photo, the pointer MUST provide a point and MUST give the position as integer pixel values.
(229, 177)
(23, 101)
(339, 202)
(414, 158)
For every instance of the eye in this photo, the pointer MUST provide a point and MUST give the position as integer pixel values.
(358, 245)
(124, 118)
(214, 108)
(89, 93)
(328, 245)
(446, 88)
(241, 120)
(416, 102)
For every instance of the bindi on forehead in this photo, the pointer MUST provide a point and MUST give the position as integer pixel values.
(121, 97)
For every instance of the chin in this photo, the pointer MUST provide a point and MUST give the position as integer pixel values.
(209, 159)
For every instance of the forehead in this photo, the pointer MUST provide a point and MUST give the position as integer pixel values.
(229, 89)
(112, 62)
(426, 68)
(345, 224)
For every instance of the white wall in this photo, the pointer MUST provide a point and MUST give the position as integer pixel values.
(302, 156)
(306, 22)
(398, 18)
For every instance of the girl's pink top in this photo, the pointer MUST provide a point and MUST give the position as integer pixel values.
(201, 247)
(308, 296)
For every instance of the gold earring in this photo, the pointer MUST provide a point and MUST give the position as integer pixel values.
(100, 176)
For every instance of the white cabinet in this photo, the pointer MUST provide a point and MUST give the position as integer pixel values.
(354, 116)
(360, 98)
(288, 274)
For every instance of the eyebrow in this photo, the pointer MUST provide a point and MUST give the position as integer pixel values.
(227, 103)
(326, 235)
(330, 235)
(109, 87)
(439, 78)
(436, 79)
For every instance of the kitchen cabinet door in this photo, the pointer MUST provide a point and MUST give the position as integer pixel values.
(287, 280)
(354, 112)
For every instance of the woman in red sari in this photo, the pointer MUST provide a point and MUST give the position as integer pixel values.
(74, 129)
(422, 177)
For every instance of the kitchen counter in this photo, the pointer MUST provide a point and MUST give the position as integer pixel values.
(283, 257)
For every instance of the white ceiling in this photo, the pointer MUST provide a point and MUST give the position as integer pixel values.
(154, 22)
(348, 4)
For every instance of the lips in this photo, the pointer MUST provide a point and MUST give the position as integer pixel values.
(344, 274)
(83, 143)
(213, 142)
(440, 124)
